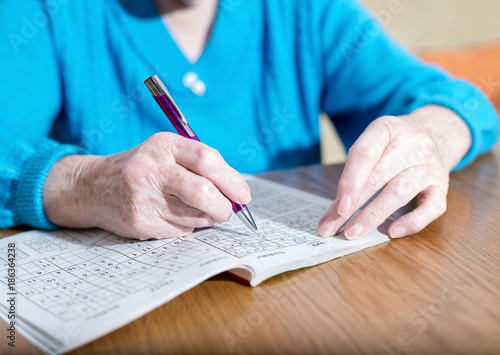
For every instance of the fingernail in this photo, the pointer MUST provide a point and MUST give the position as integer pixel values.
(244, 196)
(354, 231)
(344, 206)
(397, 232)
(326, 229)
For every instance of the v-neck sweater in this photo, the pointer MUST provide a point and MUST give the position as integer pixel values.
(73, 71)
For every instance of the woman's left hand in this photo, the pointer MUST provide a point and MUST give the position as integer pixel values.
(406, 156)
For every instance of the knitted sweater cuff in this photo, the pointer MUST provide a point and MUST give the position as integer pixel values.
(471, 105)
(29, 203)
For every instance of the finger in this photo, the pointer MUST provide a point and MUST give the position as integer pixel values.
(388, 166)
(207, 162)
(432, 205)
(398, 192)
(179, 213)
(332, 221)
(328, 224)
(196, 191)
(361, 159)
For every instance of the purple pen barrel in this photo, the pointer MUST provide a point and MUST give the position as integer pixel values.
(237, 207)
(180, 123)
(183, 129)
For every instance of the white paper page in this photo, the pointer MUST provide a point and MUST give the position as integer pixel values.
(287, 219)
(75, 286)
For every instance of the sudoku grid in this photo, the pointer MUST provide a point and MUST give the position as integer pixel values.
(84, 282)
(293, 229)
(87, 280)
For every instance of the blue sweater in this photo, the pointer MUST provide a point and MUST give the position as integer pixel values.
(72, 77)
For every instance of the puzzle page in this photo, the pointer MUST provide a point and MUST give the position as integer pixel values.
(72, 286)
(287, 219)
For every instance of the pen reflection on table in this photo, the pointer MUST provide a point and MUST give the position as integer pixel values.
(180, 123)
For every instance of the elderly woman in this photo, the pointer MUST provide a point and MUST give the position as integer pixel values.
(79, 144)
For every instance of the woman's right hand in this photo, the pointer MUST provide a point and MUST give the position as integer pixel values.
(163, 188)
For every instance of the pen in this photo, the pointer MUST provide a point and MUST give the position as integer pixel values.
(178, 120)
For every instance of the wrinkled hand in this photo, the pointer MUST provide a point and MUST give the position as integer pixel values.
(165, 187)
(406, 156)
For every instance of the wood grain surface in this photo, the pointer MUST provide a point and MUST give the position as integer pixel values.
(435, 292)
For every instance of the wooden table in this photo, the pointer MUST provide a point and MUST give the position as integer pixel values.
(436, 292)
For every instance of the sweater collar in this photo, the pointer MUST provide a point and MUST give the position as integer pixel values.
(161, 54)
